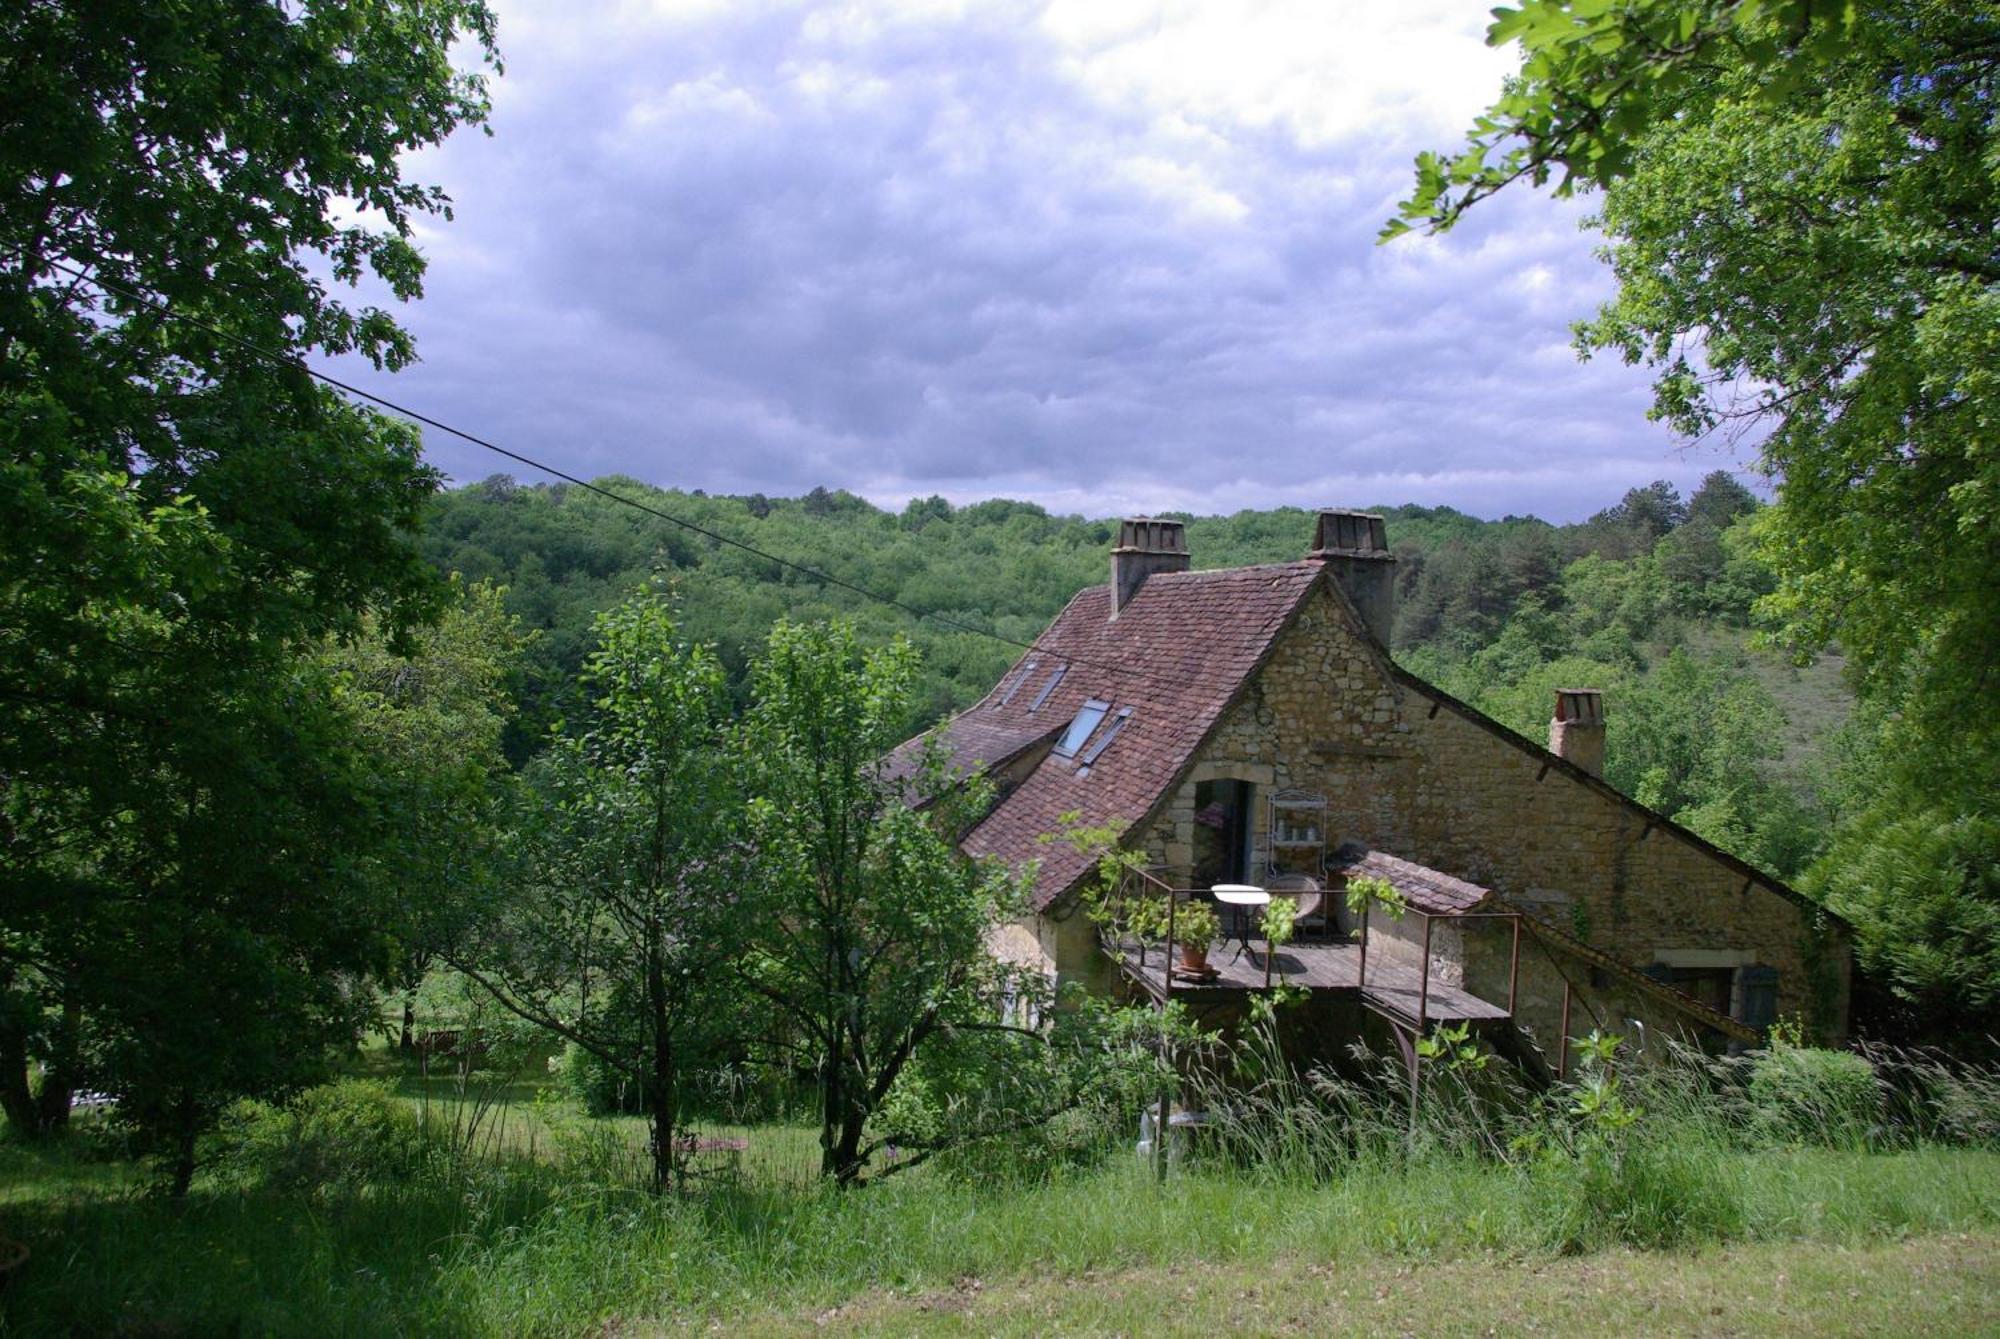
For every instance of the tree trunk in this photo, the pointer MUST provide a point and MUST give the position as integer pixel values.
(15, 1098)
(63, 1072)
(660, 1092)
(183, 1166)
(833, 1104)
(847, 1154)
(187, 1131)
(30, 1115)
(408, 1041)
(661, 1108)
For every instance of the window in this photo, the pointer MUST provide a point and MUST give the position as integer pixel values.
(1110, 733)
(1730, 982)
(1087, 717)
(1049, 687)
(1711, 986)
(1019, 679)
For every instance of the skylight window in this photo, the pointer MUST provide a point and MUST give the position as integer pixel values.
(1048, 687)
(1079, 730)
(1019, 679)
(1110, 733)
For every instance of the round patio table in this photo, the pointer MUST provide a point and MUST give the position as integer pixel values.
(1240, 898)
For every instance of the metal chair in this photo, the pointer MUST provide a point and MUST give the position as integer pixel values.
(1310, 896)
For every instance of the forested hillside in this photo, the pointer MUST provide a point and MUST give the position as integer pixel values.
(1650, 600)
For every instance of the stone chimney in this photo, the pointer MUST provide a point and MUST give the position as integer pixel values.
(1577, 731)
(1145, 546)
(1354, 545)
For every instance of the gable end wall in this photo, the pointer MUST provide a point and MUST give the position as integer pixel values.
(1406, 773)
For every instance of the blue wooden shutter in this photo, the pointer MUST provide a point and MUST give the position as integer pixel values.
(1759, 986)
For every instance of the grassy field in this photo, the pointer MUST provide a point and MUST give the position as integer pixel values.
(510, 1252)
(509, 1213)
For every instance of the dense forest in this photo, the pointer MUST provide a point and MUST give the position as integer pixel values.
(1650, 599)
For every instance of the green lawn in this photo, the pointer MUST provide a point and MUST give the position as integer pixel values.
(1941, 1285)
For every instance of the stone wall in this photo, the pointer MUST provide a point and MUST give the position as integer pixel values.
(1406, 772)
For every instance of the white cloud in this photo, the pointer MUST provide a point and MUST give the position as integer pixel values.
(1103, 256)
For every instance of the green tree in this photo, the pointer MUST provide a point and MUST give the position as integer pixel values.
(1922, 888)
(1799, 201)
(182, 522)
(430, 720)
(630, 913)
(1799, 204)
(1720, 500)
(870, 926)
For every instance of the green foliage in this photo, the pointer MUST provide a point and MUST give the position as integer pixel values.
(1921, 886)
(1799, 203)
(1278, 921)
(1112, 898)
(601, 1089)
(619, 937)
(868, 928)
(1830, 247)
(197, 825)
(1799, 1093)
(1367, 890)
(1452, 1048)
(1596, 78)
(1195, 924)
(335, 1139)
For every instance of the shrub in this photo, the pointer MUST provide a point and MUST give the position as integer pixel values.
(1803, 1093)
(335, 1138)
(597, 1087)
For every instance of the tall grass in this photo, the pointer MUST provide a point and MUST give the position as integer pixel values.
(1317, 1168)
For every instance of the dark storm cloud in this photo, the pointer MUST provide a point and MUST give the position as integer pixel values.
(807, 247)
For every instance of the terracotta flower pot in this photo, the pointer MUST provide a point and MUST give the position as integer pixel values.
(1194, 957)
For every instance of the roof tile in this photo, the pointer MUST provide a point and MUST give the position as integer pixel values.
(1177, 654)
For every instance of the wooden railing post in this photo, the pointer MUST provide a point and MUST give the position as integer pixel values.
(1362, 969)
(1424, 989)
(1562, 1055)
(1514, 966)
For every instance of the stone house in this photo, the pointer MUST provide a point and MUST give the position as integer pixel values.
(1247, 726)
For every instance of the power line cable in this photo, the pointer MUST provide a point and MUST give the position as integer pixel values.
(347, 388)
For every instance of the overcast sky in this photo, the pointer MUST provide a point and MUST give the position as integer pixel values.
(1108, 257)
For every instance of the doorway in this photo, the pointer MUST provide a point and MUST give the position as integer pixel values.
(1221, 832)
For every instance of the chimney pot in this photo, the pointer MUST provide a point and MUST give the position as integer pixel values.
(1146, 545)
(1576, 731)
(1354, 545)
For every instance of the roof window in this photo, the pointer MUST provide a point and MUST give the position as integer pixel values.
(1087, 717)
(1049, 687)
(1110, 733)
(1019, 679)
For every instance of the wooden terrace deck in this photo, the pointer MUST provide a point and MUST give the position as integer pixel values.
(1393, 987)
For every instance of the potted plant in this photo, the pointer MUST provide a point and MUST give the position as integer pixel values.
(1194, 930)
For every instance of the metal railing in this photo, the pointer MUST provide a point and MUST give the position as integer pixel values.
(1424, 979)
(1149, 884)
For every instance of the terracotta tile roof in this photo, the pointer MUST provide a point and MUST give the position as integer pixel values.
(971, 743)
(1424, 888)
(1177, 654)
